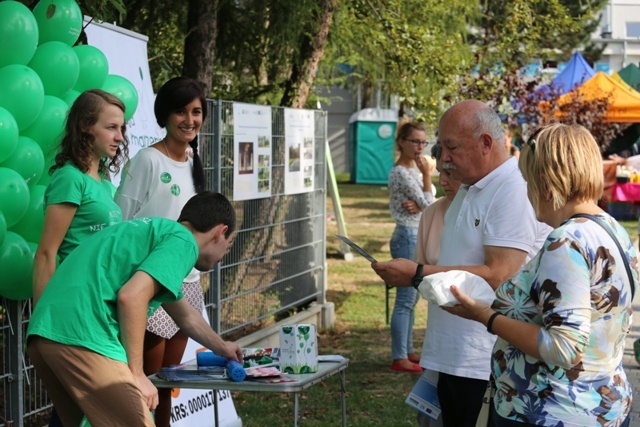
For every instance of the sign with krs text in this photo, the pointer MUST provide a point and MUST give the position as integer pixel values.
(191, 407)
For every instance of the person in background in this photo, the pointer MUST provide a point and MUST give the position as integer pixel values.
(410, 192)
(158, 182)
(78, 200)
(428, 245)
(511, 148)
(86, 334)
(562, 320)
(490, 231)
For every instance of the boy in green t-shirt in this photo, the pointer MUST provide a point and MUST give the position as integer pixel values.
(86, 334)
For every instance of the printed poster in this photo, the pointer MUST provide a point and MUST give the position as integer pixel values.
(299, 132)
(252, 151)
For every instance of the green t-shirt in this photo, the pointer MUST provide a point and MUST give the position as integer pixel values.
(96, 208)
(79, 305)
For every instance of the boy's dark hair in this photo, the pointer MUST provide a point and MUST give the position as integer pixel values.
(206, 210)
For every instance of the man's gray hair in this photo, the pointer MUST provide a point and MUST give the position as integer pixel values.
(488, 121)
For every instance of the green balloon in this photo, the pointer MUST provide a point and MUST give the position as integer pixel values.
(70, 97)
(58, 20)
(3, 228)
(21, 93)
(27, 159)
(125, 90)
(16, 267)
(18, 32)
(8, 133)
(94, 67)
(45, 178)
(14, 196)
(49, 160)
(58, 67)
(48, 128)
(30, 226)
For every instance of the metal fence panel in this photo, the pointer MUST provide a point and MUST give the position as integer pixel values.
(277, 261)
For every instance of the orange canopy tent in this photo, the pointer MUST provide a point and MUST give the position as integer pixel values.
(624, 104)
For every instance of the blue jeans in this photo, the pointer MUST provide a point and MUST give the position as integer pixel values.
(402, 245)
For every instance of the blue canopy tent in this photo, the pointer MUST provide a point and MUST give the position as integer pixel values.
(576, 72)
(573, 75)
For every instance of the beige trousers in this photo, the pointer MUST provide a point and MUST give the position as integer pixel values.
(82, 382)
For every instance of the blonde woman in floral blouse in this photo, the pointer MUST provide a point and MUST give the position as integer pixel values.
(410, 193)
(562, 320)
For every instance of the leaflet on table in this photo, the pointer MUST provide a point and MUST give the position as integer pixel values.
(356, 248)
(265, 356)
(424, 396)
(185, 372)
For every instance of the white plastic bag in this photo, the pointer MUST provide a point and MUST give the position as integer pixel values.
(435, 288)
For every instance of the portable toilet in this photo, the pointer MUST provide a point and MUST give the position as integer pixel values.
(371, 144)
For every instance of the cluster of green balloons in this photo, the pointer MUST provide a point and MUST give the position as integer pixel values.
(41, 75)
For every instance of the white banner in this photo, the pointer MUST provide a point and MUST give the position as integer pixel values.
(191, 408)
(126, 53)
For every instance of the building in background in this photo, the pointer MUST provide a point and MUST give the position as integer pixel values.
(620, 31)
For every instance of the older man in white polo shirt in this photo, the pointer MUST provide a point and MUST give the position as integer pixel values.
(489, 230)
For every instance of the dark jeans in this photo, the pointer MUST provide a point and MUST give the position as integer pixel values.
(460, 400)
(496, 420)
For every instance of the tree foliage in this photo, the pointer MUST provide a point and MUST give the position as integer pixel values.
(411, 48)
(588, 13)
(520, 101)
(249, 48)
(165, 23)
(312, 46)
(513, 32)
(259, 44)
(428, 53)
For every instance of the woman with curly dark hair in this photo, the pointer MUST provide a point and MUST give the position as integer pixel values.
(79, 198)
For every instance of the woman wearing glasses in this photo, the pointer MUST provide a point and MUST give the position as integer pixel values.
(410, 193)
(562, 320)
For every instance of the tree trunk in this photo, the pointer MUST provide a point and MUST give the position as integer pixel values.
(199, 45)
(303, 72)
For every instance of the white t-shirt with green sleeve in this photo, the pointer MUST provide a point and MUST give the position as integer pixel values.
(94, 199)
(79, 305)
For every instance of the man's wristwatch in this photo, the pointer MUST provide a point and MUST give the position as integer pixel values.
(417, 279)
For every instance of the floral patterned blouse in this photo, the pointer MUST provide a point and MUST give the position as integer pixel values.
(577, 288)
(406, 184)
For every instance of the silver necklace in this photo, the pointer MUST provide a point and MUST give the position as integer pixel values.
(166, 150)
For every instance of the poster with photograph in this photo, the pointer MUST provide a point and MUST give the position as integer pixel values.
(252, 151)
(299, 131)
